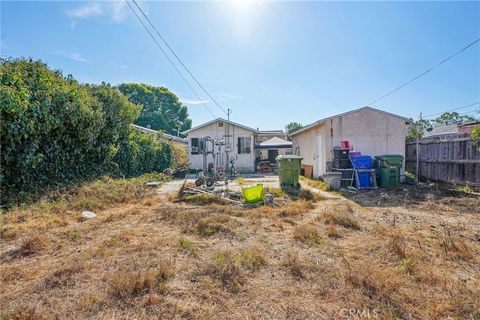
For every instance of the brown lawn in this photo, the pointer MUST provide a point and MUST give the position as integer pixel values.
(405, 255)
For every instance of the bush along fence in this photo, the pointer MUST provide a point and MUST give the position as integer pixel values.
(453, 158)
(55, 132)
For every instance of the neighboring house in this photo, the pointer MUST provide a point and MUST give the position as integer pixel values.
(165, 135)
(440, 130)
(447, 130)
(368, 130)
(270, 149)
(265, 135)
(233, 141)
(467, 127)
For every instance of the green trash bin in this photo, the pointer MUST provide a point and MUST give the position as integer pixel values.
(389, 166)
(289, 170)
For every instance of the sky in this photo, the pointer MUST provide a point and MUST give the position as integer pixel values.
(270, 62)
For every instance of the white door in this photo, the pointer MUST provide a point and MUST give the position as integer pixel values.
(320, 161)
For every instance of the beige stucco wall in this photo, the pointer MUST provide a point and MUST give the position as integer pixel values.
(368, 131)
(245, 161)
(306, 145)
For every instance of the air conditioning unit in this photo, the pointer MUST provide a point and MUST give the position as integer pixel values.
(194, 149)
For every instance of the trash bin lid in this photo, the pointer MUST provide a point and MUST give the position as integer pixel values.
(393, 159)
(289, 157)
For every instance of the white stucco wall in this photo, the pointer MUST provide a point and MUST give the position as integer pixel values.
(245, 161)
(368, 131)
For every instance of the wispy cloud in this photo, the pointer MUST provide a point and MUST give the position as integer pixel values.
(116, 10)
(88, 10)
(74, 56)
(193, 101)
(78, 57)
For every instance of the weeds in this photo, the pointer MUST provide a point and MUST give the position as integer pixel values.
(295, 208)
(294, 265)
(341, 216)
(307, 234)
(396, 244)
(455, 248)
(250, 258)
(204, 199)
(226, 270)
(31, 245)
(409, 266)
(317, 184)
(332, 232)
(229, 268)
(130, 283)
(187, 246)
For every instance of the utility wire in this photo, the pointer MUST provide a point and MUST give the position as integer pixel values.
(170, 60)
(439, 113)
(179, 60)
(425, 72)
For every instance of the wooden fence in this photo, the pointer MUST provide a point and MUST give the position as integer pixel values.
(450, 158)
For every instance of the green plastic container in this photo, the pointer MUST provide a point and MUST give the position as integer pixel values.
(253, 194)
(389, 166)
(289, 170)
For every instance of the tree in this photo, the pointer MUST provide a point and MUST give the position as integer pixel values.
(476, 136)
(451, 118)
(416, 128)
(162, 110)
(292, 127)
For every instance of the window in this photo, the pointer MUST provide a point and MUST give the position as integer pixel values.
(243, 144)
(195, 144)
(220, 124)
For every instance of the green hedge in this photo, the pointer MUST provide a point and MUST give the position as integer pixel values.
(55, 132)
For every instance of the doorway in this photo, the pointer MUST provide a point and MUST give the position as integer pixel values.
(272, 155)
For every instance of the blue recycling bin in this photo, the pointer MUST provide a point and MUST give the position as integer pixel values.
(363, 162)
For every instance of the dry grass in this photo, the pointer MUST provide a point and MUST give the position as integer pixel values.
(317, 184)
(341, 216)
(294, 265)
(332, 232)
(396, 244)
(455, 247)
(307, 234)
(188, 246)
(59, 209)
(129, 283)
(204, 199)
(151, 258)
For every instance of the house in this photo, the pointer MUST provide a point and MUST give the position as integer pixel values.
(265, 135)
(271, 143)
(167, 136)
(368, 130)
(216, 143)
(440, 130)
(270, 149)
(449, 130)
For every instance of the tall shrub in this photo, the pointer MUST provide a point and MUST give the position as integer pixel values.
(55, 131)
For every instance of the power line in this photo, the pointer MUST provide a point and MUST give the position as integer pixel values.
(439, 113)
(170, 60)
(179, 60)
(425, 72)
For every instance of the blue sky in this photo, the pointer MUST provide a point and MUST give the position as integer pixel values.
(271, 62)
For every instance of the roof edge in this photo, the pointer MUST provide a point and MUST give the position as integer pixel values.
(314, 124)
(218, 119)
